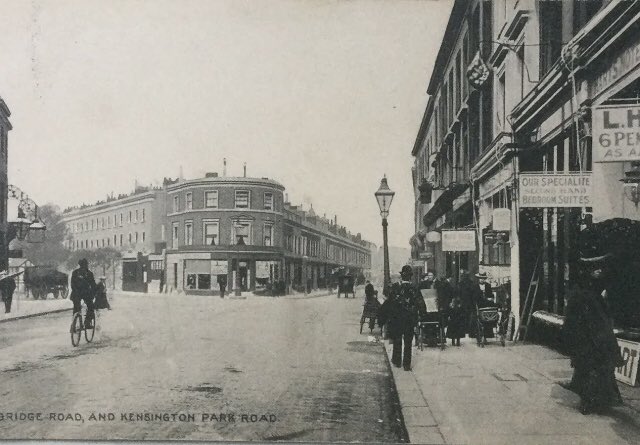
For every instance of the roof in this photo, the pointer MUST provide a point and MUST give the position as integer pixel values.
(227, 180)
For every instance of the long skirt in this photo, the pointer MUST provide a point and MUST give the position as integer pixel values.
(596, 386)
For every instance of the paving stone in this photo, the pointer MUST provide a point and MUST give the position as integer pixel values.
(425, 435)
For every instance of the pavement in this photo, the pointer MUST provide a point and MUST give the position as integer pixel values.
(503, 395)
(22, 307)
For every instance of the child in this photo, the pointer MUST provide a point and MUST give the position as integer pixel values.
(456, 326)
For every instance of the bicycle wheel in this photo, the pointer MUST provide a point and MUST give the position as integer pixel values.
(90, 332)
(76, 329)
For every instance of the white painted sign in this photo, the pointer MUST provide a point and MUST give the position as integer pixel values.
(628, 372)
(616, 133)
(555, 189)
(218, 267)
(458, 240)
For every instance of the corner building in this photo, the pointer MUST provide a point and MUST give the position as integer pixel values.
(224, 226)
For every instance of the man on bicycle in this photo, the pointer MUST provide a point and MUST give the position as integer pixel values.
(83, 287)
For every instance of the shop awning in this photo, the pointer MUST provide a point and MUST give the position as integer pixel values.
(444, 203)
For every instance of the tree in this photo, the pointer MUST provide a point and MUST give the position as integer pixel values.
(52, 251)
(99, 259)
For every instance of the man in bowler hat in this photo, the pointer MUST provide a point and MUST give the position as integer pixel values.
(401, 313)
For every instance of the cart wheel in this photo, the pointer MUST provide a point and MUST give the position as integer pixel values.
(76, 329)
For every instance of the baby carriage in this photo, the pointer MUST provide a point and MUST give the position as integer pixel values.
(491, 323)
(430, 327)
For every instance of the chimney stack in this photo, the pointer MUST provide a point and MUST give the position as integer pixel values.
(245, 169)
(224, 167)
(335, 220)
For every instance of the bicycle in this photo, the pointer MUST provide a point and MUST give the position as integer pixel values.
(77, 326)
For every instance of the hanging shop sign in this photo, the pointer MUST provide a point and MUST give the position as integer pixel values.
(501, 219)
(433, 237)
(616, 133)
(458, 240)
(555, 189)
(425, 255)
(219, 267)
(630, 352)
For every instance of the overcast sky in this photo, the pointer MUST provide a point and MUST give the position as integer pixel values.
(323, 96)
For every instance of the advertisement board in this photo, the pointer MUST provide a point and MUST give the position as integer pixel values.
(628, 372)
(555, 189)
(616, 133)
(459, 240)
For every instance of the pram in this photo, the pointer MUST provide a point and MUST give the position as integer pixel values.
(430, 328)
(491, 323)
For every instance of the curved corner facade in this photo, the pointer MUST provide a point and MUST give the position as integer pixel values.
(224, 226)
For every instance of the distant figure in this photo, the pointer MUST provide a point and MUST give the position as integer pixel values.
(456, 327)
(371, 302)
(222, 282)
(466, 291)
(83, 288)
(101, 301)
(7, 288)
(427, 280)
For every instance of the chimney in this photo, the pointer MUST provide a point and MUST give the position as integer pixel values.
(224, 167)
(245, 169)
(335, 220)
(181, 177)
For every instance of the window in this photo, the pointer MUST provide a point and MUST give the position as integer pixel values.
(129, 218)
(115, 240)
(121, 239)
(142, 215)
(500, 105)
(130, 238)
(176, 203)
(241, 232)
(174, 235)
(211, 199)
(121, 219)
(155, 265)
(143, 237)
(188, 233)
(242, 199)
(268, 234)
(188, 201)
(496, 248)
(210, 232)
(136, 237)
(268, 201)
(550, 34)
(136, 219)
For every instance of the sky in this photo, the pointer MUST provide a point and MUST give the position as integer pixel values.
(323, 96)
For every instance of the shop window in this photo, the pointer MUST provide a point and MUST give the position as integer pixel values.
(211, 199)
(198, 274)
(188, 201)
(242, 199)
(496, 248)
(198, 281)
(268, 201)
(210, 232)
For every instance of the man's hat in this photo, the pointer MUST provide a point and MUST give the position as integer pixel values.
(481, 275)
(596, 260)
(83, 262)
(406, 269)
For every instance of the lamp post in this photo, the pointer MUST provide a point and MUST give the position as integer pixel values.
(384, 196)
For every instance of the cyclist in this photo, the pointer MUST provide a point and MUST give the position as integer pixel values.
(83, 287)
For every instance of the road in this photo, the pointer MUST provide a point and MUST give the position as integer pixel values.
(200, 368)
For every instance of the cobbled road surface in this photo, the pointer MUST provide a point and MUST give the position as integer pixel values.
(200, 368)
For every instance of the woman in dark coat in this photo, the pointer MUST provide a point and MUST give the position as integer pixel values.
(456, 327)
(371, 302)
(590, 341)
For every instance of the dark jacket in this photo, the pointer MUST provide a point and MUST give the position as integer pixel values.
(402, 310)
(588, 330)
(7, 288)
(101, 297)
(83, 284)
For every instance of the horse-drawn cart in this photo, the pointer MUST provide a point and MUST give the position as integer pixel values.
(42, 280)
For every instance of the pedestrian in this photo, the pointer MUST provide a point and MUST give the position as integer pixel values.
(467, 294)
(101, 301)
(456, 326)
(83, 288)
(589, 338)
(401, 312)
(222, 282)
(371, 303)
(427, 280)
(7, 288)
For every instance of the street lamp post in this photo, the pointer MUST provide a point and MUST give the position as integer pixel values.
(384, 196)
